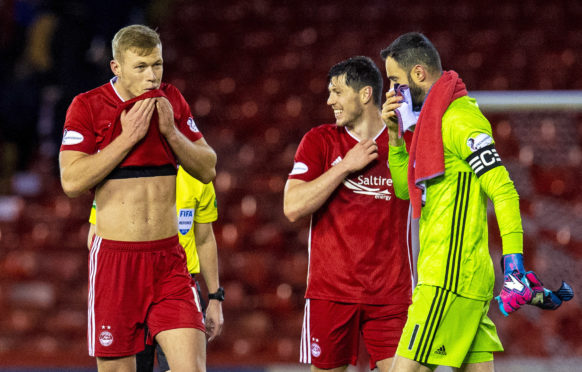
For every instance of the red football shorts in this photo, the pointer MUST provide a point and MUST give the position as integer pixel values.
(133, 284)
(331, 332)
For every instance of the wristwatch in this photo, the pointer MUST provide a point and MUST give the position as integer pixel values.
(218, 295)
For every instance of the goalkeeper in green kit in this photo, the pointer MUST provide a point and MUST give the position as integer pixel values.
(451, 170)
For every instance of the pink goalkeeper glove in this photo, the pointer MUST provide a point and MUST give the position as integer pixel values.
(516, 290)
(543, 297)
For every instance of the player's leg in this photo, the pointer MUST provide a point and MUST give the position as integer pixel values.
(162, 360)
(384, 364)
(112, 287)
(144, 360)
(175, 315)
(476, 367)
(338, 369)
(486, 341)
(402, 364)
(185, 349)
(122, 364)
(330, 335)
(381, 327)
(440, 330)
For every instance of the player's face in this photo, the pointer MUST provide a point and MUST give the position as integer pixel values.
(397, 75)
(344, 101)
(137, 73)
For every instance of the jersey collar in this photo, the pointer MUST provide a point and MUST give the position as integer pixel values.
(112, 81)
(359, 140)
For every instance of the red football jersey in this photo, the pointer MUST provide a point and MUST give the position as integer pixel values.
(92, 122)
(358, 249)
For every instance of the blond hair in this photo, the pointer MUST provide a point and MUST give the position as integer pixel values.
(139, 38)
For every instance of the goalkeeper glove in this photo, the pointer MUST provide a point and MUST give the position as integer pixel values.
(516, 290)
(543, 297)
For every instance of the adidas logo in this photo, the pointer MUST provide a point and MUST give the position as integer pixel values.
(441, 350)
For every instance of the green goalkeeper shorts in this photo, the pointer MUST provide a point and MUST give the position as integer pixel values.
(446, 329)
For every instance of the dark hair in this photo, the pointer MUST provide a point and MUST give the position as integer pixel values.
(412, 49)
(360, 72)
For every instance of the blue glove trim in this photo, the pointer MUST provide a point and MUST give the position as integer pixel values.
(513, 262)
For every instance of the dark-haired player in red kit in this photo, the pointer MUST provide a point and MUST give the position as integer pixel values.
(360, 275)
(124, 140)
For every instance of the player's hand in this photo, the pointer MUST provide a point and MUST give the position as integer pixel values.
(544, 298)
(360, 155)
(516, 290)
(166, 116)
(389, 116)
(136, 122)
(214, 319)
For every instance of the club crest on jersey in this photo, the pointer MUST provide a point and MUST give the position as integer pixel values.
(192, 125)
(479, 141)
(315, 350)
(70, 137)
(299, 168)
(185, 220)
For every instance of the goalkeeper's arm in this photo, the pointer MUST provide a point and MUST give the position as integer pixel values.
(495, 182)
(500, 189)
(398, 164)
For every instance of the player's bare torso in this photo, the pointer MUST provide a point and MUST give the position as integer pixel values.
(137, 209)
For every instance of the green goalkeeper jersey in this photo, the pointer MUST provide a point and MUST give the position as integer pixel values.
(454, 251)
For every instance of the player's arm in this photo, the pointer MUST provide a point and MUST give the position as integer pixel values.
(501, 191)
(302, 198)
(81, 172)
(207, 254)
(397, 154)
(197, 158)
(398, 163)
(495, 182)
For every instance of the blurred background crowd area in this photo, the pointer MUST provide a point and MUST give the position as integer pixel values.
(254, 73)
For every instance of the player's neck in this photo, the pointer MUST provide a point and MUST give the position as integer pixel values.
(369, 125)
(121, 91)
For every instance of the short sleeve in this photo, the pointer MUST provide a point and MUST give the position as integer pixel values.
(183, 116)
(207, 210)
(308, 161)
(78, 134)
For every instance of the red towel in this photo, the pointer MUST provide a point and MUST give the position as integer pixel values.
(426, 152)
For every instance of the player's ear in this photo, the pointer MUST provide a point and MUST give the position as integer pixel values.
(418, 74)
(366, 94)
(115, 67)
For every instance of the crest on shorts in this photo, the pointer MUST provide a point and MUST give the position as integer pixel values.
(105, 337)
(185, 220)
(315, 350)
